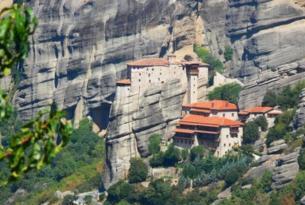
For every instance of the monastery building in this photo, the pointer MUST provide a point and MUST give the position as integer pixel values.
(144, 73)
(217, 134)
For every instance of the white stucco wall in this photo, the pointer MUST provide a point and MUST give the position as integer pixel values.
(232, 115)
(227, 142)
(142, 78)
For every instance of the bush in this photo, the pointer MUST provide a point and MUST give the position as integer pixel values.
(154, 144)
(301, 159)
(190, 171)
(138, 171)
(208, 58)
(251, 132)
(197, 153)
(228, 54)
(300, 185)
(68, 200)
(157, 160)
(281, 128)
(119, 191)
(265, 182)
(185, 154)
(270, 99)
(229, 92)
(261, 121)
(172, 156)
(287, 98)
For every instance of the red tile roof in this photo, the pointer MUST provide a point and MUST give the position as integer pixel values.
(275, 112)
(209, 121)
(200, 110)
(213, 105)
(259, 110)
(149, 62)
(184, 131)
(123, 82)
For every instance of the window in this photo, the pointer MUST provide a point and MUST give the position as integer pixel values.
(227, 136)
(224, 144)
(139, 80)
(229, 144)
(149, 81)
(139, 74)
(223, 114)
(232, 114)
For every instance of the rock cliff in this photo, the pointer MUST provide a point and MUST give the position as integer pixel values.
(134, 119)
(299, 119)
(81, 47)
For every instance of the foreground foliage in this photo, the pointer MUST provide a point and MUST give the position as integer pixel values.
(42, 138)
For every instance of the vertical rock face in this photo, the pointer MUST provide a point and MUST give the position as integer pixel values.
(299, 119)
(267, 37)
(134, 119)
(81, 47)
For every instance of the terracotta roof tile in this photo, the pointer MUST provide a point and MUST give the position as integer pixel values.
(259, 109)
(213, 105)
(210, 121)
(123, 82)
(184, 131)
(275, 112)
(149, 62)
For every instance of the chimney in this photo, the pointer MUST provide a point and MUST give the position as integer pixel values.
(171, 59)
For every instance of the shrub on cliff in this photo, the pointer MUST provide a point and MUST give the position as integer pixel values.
(154, 144)
(138, 170)
(118, 192)
(229, 92)
(282, 126)
(208, 58)
(251, 133)
(171, 156)
(157, 160)
(301, 159)
(228, 54)
(262, 123)
(197, 153)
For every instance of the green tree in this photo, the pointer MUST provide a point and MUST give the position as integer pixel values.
(251, 133)
(40, 139)
(229, 92)
(270, 99)
(300, 185)
(172, 156)
(262, 122)
(208, 58)
(265, 182)
(197, 153)
(157, 160)
(154, 144)
(138, 171)
(119, 191)
(301, 159)
(228, 54)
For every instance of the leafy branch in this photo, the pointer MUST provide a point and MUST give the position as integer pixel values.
(42, 138)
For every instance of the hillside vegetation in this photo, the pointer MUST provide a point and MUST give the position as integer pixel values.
(77, 168)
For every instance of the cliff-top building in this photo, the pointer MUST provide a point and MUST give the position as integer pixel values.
(218, 134)
(213, 108)
(144, 73)
(269, 113)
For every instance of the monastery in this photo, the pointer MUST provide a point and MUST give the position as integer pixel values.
(217, 125)
(146, 72)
